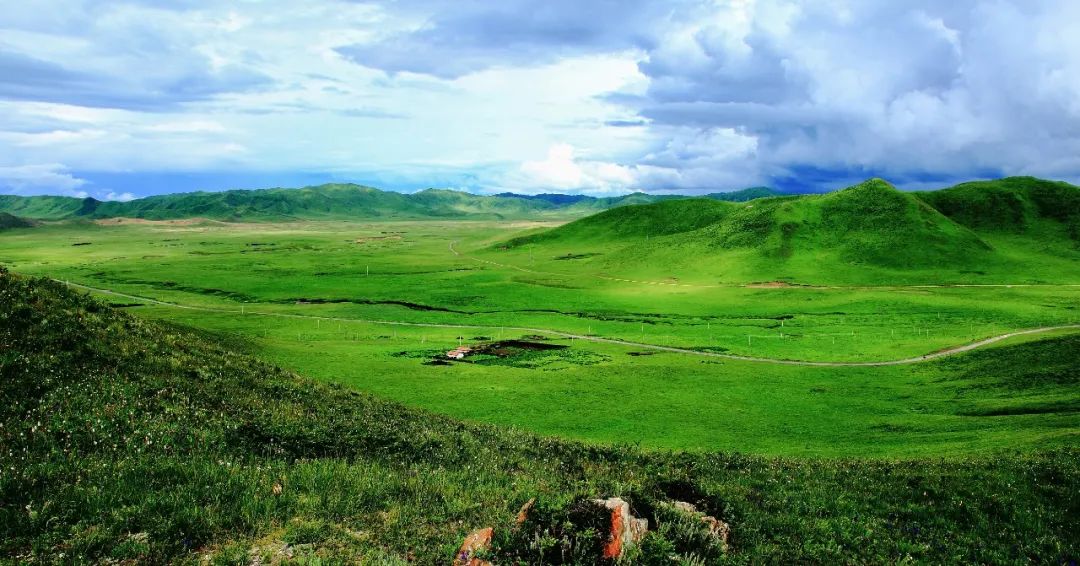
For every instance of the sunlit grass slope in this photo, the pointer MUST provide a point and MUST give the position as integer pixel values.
(43, 207)
(869, 233)
(130, 441)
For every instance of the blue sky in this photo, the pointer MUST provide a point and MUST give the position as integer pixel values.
(124, 99)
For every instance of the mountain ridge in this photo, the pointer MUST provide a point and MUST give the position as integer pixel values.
(335, 201)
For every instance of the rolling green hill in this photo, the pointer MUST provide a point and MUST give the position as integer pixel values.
(47, 207)
(138, 442)
(324, 202)
(12, 221)
(870, 224)
(744, 195)
(1010, 205)
(335, 202)
(661, 218)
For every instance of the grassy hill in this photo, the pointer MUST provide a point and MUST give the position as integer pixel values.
(870, 224)
(136, 442)
(324, 202)
(334, 202)
(11, 221)
(47, 207)
(661, 218)
(1010, 205)
(744, 195)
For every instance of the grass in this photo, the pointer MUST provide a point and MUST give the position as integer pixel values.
(1015, 204)
(147, 433)
(8, 221)
(143, 442)
(868, 234)
(403, 271)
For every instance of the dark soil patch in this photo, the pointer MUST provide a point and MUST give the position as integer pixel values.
(714, 349)
(575, 256)
(521, 345)
(406, 304)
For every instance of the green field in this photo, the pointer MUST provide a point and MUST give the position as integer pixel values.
(321, 280)
(129, 441)
(866, 376)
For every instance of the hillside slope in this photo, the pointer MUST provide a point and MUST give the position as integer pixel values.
(130, 441)
(11, 221)
(870, 224)
(46, 207)
(335, 202)
(324, 202)
(634, 221)
(1011, 205)
(744, 195)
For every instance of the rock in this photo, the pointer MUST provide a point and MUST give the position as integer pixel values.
(523, 514)
(625, 531)
(720, 530)
(477, 541)
(685, 507)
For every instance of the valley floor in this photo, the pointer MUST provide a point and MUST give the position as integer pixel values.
(662, 363)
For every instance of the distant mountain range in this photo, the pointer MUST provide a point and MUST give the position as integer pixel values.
(1011, 202)
(337, 202)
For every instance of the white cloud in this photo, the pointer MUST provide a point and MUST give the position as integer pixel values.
(720, 94)
(122, 197)
(560, 171)
(50, 178)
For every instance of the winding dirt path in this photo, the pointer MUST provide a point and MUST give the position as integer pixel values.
(905, 361)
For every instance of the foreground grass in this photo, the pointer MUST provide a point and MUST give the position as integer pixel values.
(128, 440)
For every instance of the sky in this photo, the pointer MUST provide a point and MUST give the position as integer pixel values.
(119, 100)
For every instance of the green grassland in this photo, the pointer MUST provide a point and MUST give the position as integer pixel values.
(406, 272)
(152, 423)
(131, 441)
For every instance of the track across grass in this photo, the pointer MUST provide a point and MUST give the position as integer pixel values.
(905, 361)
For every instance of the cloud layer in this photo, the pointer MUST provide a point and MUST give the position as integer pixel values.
(120, 99)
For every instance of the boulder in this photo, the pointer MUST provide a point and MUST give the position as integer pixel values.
(477, 541)
(625, 530)
(720, 530)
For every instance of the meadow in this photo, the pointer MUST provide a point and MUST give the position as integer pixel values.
(133, 441)
(305, 294)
